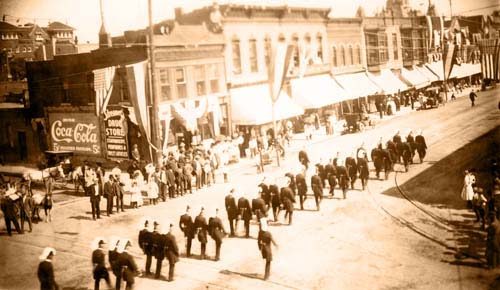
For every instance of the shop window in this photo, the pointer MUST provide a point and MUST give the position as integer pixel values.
(180, 80)
(164, 84)
(214, 76)
(235, 46)
(199, 76)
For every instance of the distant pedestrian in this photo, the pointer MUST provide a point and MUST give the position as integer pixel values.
(98, 263)
(109, 193)
(472, 97)
(421, 146)
(467, 190)
(264, 241)
(26, 205)
(9, 210)
(46, 270)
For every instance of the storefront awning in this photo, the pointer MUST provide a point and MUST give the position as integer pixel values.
(427, 73)
(388, 81)
(252, 106)
(316, 91)
(465, 70)
(357, 85)
(415, 78)
(437, 68)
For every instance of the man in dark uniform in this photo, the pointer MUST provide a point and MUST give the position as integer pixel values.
(46, 270)
(300, 180)
(146, 244)
(405, 150)
(317, 188)
(26, 205)
(264, 241)
(293, 185)
(275, 200)
(387, 162)
(472, 97)
(10, 214)
(201, 226)
(411, 140)
(377, 159)
(99, 265)
(287, 200)
(245, 213)
(266, 195)
(232, 210)
(172, 253)
(158, 248)
(421, 146)
(352, 170)
(127, 265)
(332, 177)
(364, 171)
(394, 146)
(113, 260)
(259, 206)
(217, 232)
(187, 227)
(320, 171)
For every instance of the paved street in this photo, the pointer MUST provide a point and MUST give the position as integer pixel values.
(373, 240)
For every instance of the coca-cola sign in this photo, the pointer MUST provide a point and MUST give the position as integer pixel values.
(77, 132)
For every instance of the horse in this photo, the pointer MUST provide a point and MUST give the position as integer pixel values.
(352, 170)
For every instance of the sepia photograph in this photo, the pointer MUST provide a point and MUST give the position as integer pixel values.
(250, 144)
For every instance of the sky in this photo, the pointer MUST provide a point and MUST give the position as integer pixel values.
(121, 15)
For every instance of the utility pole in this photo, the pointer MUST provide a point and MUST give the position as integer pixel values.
(451, 10)
(155, 122)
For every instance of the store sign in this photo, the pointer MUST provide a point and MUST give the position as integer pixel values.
(116, 133)
(77, 132)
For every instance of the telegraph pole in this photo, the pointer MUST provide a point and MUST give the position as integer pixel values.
(155, 122)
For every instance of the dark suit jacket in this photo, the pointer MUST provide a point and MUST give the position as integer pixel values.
(216, 229)
(46, 276)
(287, 198)
(127, 264)
(301, 184)
(264, 241)
(201, 226)
(158, 245)
(171, 249)
(244, 208)
(231, 208)
(109, 192)
(186, 225)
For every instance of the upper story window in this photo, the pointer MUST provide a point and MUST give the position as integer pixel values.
(334, 56)
(267, 50)
(395, 46)
(252, 45)
(236, 55)
(180, 80)
(372, 48)
(199, 76)
(319, 40)
(214, 76)
(342, 56)
(382, 43)
(295, 54)
(350, 54)
(164, 84)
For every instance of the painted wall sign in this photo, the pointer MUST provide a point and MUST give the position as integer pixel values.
(77, 132)
(116, 133)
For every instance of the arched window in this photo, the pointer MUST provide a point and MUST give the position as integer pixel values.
(252, 45)
(236, 56)
(334, 56)
(319, 40)
(351, 55)
(342, 56)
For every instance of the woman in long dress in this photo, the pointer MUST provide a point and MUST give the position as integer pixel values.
(467, 190)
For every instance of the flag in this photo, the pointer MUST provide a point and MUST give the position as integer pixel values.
(278, 68)
(449, 59)
(490, 58)
(136, 78)
(103, 87)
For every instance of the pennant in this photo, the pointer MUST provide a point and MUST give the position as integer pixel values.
(449, 59)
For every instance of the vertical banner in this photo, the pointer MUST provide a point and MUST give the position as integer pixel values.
(136, 77)
(448, 60)
(278, 69)
(116, 129)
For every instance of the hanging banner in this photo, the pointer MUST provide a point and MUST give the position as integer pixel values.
(77, 132)
(116, 133)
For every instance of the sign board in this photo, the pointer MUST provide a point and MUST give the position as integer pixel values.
(115, 126)
(77, 132)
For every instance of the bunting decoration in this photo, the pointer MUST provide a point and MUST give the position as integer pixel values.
(103, 87)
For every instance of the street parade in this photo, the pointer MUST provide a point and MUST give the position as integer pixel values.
(284, 144)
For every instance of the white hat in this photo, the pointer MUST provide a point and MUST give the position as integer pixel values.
(122, 245)
(263, 224)
(113, 242)
(116, 171)
(46, 252)
(95, 243)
